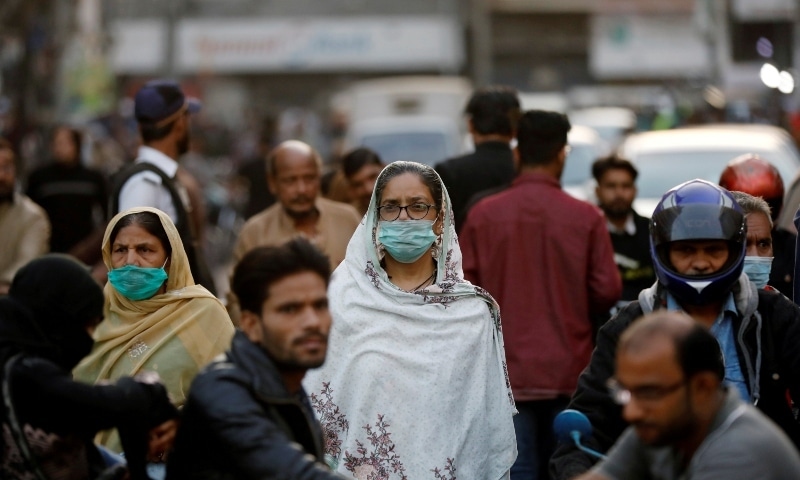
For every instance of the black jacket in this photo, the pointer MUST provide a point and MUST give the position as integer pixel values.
(240, 422)
(767, 333)
(490, 165)
(632, 256)
(43, 330)
(69, 195)
(69, 414)
(782, 274)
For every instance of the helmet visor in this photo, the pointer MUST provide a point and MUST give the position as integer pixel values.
(697, 222)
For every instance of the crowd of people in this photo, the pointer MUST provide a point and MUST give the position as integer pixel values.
(362, 336)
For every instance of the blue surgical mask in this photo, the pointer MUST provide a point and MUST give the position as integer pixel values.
(137, 283)
(406, 240)
(758, 270)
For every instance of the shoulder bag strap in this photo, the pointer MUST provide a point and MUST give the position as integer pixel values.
(169, 183)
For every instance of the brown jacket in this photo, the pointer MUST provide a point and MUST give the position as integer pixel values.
(24, 235)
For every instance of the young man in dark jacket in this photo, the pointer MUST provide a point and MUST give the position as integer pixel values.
(698, 239)
(247, 415)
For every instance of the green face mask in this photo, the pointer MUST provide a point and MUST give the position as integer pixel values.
(137, 283)
(406, 240)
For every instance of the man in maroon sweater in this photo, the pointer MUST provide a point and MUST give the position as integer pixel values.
(547, 259)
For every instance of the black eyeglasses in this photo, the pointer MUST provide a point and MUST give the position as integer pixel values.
(415, 211)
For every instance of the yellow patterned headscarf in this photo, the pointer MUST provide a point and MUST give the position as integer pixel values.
(174, 334)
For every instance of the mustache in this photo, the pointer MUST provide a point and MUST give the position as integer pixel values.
(311, 336)
(302, 199)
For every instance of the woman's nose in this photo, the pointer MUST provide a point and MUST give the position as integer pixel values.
(132, 258)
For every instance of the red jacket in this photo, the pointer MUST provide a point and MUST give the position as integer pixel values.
(547, 259)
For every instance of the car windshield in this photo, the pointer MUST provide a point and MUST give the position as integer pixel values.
(658, 172)
(578, 168)
(423, 147)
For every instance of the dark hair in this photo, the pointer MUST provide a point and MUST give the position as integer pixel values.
(494, 109)
(696, 349)
(77, 138)
(357, 159)
(427, 174)
(147, 220)
(262, 266)
(151, 132)
(613, 162)
(540, 136)
(699, 351)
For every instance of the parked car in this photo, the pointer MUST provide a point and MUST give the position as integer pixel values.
(419, 118)
(611, 123)
(666, 158)
(419, 138)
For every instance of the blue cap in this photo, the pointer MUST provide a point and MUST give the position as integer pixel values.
(159, 101)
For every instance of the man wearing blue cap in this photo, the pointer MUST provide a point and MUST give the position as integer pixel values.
(162, 111)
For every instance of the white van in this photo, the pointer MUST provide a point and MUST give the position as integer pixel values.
(418, 118)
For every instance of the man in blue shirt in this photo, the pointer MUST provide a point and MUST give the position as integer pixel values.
(698, 244)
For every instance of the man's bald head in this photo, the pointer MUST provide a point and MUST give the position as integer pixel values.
(291, 149)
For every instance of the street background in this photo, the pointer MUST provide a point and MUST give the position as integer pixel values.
(270, 70)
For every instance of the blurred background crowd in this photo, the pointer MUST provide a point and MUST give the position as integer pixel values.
(395, 76)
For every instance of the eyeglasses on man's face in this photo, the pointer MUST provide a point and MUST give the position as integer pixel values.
(647, 394)
(415, 211)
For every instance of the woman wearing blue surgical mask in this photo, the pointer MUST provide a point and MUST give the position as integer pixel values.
(759, 254)
(155, 317)
(415, 364)
(408, 224)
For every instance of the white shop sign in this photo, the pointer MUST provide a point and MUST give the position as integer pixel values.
(322, 44)
(634, 46)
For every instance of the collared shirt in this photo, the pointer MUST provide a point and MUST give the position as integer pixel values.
(336, 224)
(722, 329)
(145, 190)
(629, 227)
